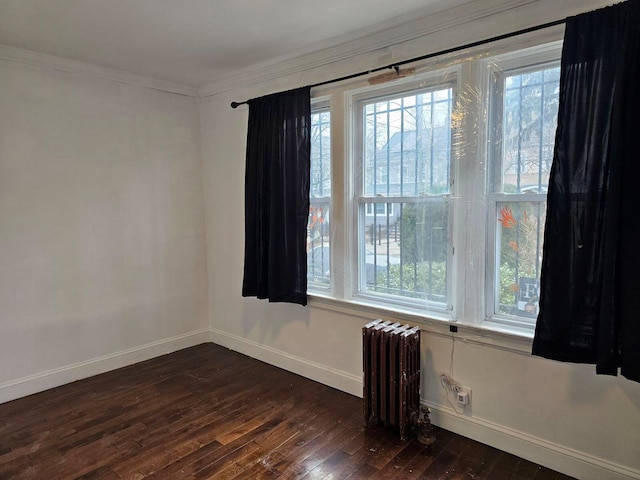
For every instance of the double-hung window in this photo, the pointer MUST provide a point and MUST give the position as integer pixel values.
(318, 237)
(401, 194)
(442, 182)
(524, 116)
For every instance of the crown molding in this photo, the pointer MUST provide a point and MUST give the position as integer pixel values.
(28, 57)
(367, 42)
(465, 23)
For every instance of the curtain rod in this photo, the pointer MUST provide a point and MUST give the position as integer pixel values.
(396, 66)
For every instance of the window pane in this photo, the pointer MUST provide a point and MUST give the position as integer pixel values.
(529, 118)
(520, 231)
(530, 115)
(318, 245)
(405, 250)
(320, 185)
(407, 144)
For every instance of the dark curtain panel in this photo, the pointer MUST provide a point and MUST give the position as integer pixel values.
(590, 281)
(277, 197)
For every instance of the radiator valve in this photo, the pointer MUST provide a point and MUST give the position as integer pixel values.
(424, 428)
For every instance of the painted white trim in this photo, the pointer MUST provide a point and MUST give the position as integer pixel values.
(538, 450)
(27, 57)
(488, 335)
(70, 373)
(335, 378)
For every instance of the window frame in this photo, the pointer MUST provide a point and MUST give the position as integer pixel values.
(470, 265)
(444, 77)
(319, 105)
(520, 61)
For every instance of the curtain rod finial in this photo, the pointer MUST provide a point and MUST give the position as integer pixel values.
(235, 104)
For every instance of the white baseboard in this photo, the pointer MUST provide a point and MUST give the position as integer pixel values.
(557, 457)
(538, 450)
(332, 377)
(70, 373)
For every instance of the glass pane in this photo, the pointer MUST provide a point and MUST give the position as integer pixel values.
(318, 254)
(407, 144)
(530, 116)
(318, 245)
(405, 250)
(520, 232)
(320, 185)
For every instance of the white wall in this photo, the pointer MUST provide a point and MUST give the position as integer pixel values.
(561, 415)
(102, 240)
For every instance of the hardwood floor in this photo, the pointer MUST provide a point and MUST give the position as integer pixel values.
(206, 412)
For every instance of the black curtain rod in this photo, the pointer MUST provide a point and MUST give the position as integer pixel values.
(396, 66)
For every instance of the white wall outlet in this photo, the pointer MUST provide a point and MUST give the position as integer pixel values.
(463, 398)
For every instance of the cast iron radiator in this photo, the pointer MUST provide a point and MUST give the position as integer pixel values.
(391, 361)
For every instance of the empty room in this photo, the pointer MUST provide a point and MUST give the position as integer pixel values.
(323, 240)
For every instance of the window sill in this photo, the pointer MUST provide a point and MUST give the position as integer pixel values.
(489, 334)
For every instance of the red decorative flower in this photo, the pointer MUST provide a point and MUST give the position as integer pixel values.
(506, 218)
(316, 217)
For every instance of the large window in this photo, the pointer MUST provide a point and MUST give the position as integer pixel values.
(402, 195)
(441, 184)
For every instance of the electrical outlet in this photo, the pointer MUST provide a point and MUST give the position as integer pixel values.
(463, 396)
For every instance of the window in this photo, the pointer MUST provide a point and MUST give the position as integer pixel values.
(318, 243)
(526, 108)
(402, 195)
(442, 181)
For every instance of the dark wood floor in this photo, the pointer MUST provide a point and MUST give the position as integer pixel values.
(207, 412)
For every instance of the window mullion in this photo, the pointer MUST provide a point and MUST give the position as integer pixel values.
(468, 194)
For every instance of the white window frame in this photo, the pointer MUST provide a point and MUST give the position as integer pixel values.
(322, 104)
(433, 80)
(470, 284)
(521, 61)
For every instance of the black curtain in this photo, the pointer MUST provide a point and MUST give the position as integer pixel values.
(590, 279)
(277, 197)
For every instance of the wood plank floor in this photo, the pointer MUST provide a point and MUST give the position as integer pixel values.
(206, 412)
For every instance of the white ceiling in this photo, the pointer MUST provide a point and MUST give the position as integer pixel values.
(194, 42)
